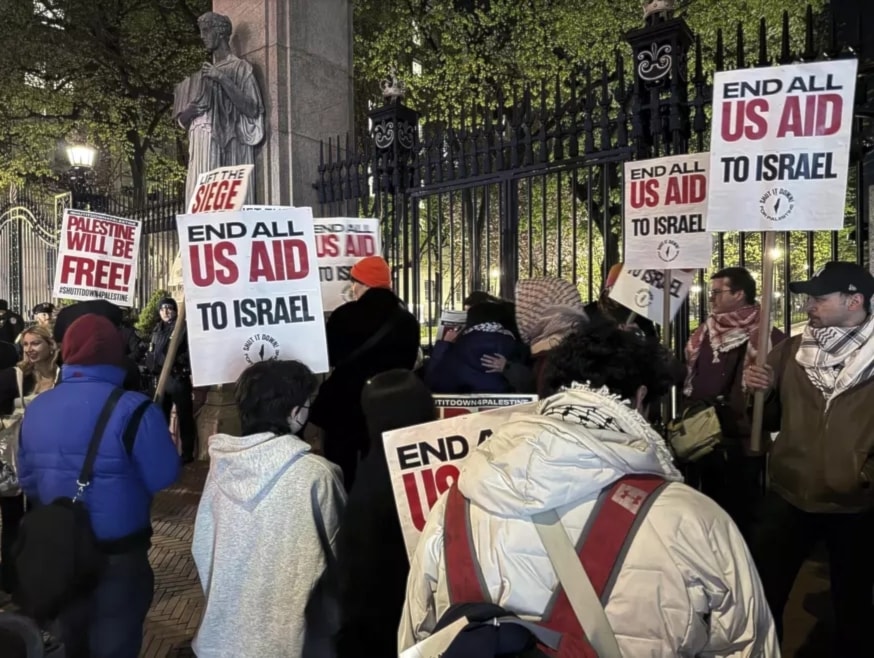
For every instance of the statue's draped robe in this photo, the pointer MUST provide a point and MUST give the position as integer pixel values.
(222, 136)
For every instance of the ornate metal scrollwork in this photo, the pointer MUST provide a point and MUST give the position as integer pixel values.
(406, 135)
(384, 134)
(655, 63)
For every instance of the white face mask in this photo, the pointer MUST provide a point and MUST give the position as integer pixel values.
(298, 418)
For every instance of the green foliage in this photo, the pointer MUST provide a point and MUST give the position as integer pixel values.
(149, 316)
(469, 51)
(102, 68)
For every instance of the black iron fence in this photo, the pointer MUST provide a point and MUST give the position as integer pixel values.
(532, 185)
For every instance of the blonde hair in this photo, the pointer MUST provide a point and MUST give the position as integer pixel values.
(46, 335)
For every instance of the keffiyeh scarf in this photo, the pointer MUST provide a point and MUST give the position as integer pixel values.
(837, 358)
(726, 331)
(599, 409)
(489, 328)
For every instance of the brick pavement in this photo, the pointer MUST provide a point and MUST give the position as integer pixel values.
(178, 602)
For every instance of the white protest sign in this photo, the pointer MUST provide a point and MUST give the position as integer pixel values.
(450, 319)
(642, 291)
(221, 189)
(450, 406)
(665, 212)
(780, 147)
(340, 243)
(423, 461)
(97, 257)
(252, 291)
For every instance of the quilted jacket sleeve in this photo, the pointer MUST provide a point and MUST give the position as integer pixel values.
(419, 615)
(741, 624)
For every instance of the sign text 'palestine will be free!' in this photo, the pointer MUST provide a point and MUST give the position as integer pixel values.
(97, 257)
(780, 147)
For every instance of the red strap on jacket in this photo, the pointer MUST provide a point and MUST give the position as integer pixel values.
(608, 536)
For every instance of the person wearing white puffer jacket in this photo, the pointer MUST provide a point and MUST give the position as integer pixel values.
(687, 585)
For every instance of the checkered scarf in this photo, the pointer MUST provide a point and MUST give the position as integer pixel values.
(837, 358)
(726, 331)
(547, 308)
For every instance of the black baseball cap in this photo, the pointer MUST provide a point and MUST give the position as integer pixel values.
(836, 276)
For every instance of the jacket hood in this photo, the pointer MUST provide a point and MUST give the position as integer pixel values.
(245, 468)
(578, 442)
(101, 373)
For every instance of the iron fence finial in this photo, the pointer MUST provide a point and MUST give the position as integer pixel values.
(393, 88)
(651, 7)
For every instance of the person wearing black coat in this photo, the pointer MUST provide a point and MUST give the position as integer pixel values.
(178, 390)
(370, 335)
(371, 556)
(11, 323)
(108, 310)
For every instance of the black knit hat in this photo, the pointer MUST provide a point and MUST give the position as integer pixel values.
(395, 399)
(168, 301)
(70, 314)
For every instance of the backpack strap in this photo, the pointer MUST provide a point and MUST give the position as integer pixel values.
(133, 426)
(607, 538)
(88, 467)
(463, 574)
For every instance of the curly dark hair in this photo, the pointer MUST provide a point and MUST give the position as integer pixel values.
(605, 355)
(267, 391)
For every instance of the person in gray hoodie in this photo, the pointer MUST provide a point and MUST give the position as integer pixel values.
(266, 525)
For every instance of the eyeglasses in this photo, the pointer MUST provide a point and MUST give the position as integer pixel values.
(713, 293)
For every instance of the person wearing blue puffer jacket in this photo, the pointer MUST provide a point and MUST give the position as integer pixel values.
(55, 434)
(456, 363)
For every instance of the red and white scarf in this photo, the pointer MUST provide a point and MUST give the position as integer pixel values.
(726, 331)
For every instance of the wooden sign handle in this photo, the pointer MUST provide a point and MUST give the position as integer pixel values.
(764, 336)
(172, 349)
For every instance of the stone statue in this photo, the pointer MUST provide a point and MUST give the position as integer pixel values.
(220, 105)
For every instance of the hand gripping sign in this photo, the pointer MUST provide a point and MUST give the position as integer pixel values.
(97, 257)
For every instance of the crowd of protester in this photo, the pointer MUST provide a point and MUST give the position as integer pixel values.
(297, 541)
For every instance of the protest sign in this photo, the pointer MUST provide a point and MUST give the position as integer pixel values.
(423, 461)
(97, 257)
(642, 291)
(221, 189)
(340, 243)
(252, 291)
(665, 212)
(451, 320)
(780, 147)
(450, 406)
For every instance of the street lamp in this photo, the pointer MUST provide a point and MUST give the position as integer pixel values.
(81, 156)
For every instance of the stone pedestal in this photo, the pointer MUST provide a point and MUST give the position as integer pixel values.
(302, 54)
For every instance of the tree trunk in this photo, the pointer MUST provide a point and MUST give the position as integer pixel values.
(137, 162)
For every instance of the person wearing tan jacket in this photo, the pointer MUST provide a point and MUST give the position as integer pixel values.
(820, 396)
